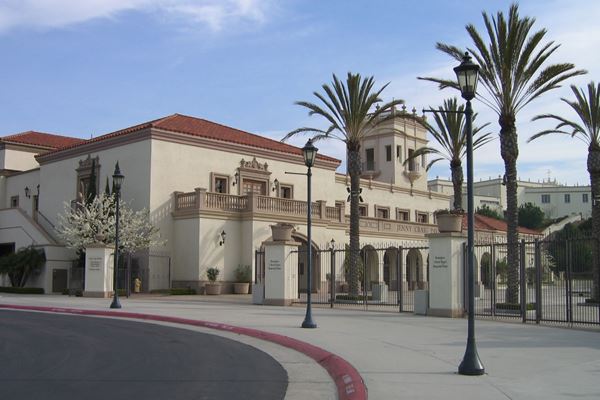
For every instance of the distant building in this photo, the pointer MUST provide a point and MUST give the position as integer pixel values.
(554, 199)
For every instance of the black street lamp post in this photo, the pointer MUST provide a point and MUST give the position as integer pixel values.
(310, 153)
(117, 181)
(467, 74)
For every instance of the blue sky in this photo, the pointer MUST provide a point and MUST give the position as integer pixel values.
(89, 67)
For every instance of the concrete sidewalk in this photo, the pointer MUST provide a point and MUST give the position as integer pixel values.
(401, 356)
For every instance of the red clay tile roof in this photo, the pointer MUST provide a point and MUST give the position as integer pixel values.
(40, 139)
(488, 223)
(202, 128)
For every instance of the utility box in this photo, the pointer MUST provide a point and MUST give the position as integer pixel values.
(421, 302)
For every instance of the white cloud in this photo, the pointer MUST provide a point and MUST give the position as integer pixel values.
(214, 14)
(563, 156)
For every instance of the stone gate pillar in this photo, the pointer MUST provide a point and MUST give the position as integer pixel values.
(99, 266)
(446, 274)
(281, 272)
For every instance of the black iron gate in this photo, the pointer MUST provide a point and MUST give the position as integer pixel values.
(387, 277)
(555, 279)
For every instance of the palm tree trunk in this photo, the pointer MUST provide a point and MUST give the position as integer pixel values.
(457, 182)
(593, 167)
(509, 149)
(354, 170)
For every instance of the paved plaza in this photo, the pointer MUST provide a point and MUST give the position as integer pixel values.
(399, 356)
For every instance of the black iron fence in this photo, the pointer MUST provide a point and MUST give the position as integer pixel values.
(556, 282)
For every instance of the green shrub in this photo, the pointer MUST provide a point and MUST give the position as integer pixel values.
(160, 291)
(181, 291)
(514, 306)
(347, 297)
(22, 265)
(73, 292)
(243, 274)
(212, 274)
(22, 290)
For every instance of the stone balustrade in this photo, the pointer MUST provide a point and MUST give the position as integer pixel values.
(200, 199)
(188, 204)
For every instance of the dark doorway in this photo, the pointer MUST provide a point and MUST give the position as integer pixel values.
(59, 280)
(6, 249)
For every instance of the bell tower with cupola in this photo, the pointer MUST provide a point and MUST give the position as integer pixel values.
(385, 149)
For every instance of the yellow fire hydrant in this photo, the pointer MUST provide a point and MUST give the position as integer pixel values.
(137, 282)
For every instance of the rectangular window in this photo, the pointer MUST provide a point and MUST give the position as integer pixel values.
(286, 192)
(363, 211)
(382, 212)
(14, 201)
(422, 217)
(342, 205)
(545, 199)
(399, 153)
(567, 198)
(370, 158)
(584, 197)
(411, 163)
(388, 153)
(220, 183)
(254, 186)
(402, 215)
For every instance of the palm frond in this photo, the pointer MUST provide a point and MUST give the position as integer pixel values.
(348, 108)
(587, 108)
(303, 131)
(511, 60)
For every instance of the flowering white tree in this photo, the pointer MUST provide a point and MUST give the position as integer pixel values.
(93, 223)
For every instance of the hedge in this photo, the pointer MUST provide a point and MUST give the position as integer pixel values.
(22, 290)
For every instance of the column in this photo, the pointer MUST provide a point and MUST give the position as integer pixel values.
(446, 274)
(99, 266)
(281, 272)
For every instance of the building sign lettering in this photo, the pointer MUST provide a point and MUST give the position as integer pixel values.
(274, 265)
(95, 263)
(440, 262)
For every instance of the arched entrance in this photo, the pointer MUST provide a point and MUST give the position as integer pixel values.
(371, 266)
(390, 276)
(486, 270)
(414, 269)
(303, 266)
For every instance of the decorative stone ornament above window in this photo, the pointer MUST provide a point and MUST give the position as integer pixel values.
(254, 165)
(84, 173)
(254, 177)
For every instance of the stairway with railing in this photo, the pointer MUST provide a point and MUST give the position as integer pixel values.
(47, 226)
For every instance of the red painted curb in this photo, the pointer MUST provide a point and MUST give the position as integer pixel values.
(350, 384)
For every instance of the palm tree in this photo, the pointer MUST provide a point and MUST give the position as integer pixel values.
(450, 133)
(511, 75)
(588, 111)
(350, 112)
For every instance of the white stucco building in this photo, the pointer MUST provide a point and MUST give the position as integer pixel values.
(199, 179)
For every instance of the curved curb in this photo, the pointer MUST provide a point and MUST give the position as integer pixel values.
(349, 383)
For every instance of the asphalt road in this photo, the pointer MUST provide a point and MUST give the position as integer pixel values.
(49, 356)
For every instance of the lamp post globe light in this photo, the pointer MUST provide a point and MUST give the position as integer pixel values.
(117, 181)
(468, 73)
(310, 153)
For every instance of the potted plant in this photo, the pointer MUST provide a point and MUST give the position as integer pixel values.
(243, 275)
(282, 231)
(449, 220)
(212, 287)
